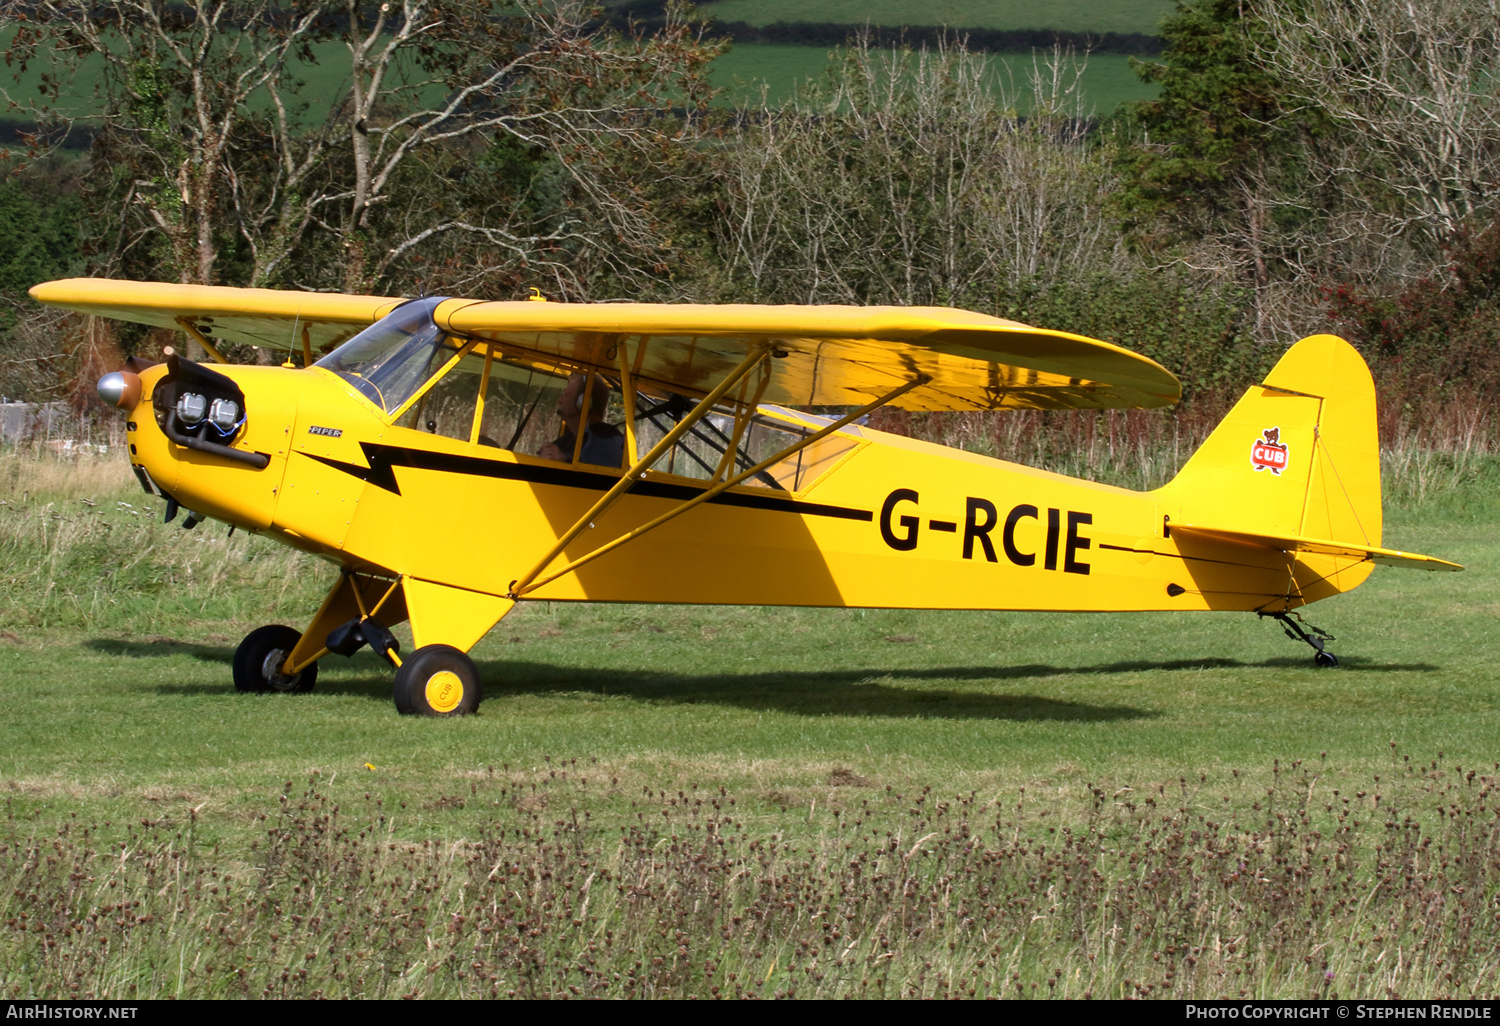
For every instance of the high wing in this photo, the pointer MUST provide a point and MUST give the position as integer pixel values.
(260, 317)
(839, 355)
(824, 355)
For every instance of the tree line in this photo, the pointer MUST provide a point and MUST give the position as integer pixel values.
(1309, 166)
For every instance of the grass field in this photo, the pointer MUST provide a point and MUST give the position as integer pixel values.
(1122, 16)
(323, 80)
(671, 801)
(741, 73)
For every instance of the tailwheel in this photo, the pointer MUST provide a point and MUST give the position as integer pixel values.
(437, 680)
(1300, 630)
(258, 662)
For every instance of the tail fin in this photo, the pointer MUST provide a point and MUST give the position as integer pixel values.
(1294, 468)
(1296, 460)
(1297, 456)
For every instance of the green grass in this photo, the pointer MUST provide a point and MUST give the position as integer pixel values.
(747, 67)
(1122, 16)
(766, 697)
(711, 775)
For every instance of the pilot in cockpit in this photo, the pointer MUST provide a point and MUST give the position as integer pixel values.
(603, 445)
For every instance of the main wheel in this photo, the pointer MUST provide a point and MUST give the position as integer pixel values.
(437, 680)
(1325, 660)
(257, 662)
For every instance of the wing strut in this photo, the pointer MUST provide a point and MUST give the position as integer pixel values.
(192, 329)
(529, 583)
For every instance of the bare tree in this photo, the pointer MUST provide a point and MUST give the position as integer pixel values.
(457, 76)
(177, 79)
(912, 177)
(1413, 85)
(206, 110)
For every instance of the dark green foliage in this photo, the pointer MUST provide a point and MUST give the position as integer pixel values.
(40, 211)
(1219, 116)
(1203, 335)
(41, 218)
(1440, 333)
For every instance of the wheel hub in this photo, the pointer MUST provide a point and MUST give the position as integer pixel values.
(444, 691)
(270, 671)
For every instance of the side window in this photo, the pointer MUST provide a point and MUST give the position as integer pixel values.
(798, 471)
(520, 406)
(447, 408)
(520, 412)
(700, 452)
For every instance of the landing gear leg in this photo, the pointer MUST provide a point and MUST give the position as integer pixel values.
(1301, 630)
(351, 604)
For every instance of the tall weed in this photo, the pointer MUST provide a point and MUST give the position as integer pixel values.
(1432, 451)
(1377, 888)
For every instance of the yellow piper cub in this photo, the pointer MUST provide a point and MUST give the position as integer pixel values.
(420, 455)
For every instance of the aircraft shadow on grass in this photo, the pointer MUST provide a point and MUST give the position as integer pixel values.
(851, 692)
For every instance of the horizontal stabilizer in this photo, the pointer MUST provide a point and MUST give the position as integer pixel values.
(1294, 543)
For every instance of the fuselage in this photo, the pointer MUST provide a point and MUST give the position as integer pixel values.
(883, 521)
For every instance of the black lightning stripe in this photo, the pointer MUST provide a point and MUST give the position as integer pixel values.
(384, 459)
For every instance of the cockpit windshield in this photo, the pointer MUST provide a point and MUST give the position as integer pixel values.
(395, 356)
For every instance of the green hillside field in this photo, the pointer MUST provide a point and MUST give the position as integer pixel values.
(1068, 15)
(741, 74)
(747, 67)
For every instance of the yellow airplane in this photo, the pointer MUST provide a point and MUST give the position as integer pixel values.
(419, 454)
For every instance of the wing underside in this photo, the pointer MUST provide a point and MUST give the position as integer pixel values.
(820, 355)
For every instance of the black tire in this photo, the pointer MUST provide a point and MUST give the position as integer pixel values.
(256, 659)
(437, 680)
(1325, 660)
